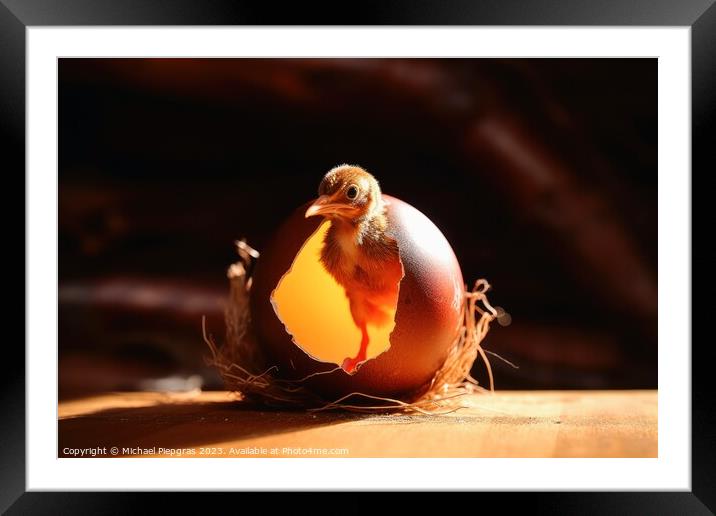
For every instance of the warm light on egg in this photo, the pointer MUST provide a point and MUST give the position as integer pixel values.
(315, 310)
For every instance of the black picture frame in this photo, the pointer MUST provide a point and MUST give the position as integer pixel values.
(17, 15)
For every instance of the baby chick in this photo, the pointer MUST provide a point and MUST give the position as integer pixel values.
(357, 251)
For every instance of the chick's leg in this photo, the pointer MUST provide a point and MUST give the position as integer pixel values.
(350, 365)
(358, 311)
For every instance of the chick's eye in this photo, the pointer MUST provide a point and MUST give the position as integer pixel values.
(352, 192)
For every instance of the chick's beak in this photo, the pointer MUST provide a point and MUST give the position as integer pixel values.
(322, 206)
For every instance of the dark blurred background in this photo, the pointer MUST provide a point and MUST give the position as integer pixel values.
(540, 172)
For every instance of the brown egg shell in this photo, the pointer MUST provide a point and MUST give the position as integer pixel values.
(427, 317)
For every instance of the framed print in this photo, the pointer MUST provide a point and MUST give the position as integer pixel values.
(265, 251)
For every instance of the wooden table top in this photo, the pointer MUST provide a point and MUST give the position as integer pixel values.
(504, 424)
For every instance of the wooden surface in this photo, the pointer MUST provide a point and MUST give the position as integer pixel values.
(506, 424)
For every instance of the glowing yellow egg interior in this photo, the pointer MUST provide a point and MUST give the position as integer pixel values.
(315, 310)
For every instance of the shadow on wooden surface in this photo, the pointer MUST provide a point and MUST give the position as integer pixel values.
(174, 423)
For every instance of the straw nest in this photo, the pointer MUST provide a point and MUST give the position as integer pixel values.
(245, 370)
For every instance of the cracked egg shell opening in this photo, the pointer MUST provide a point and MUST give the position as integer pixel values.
(427, 316)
